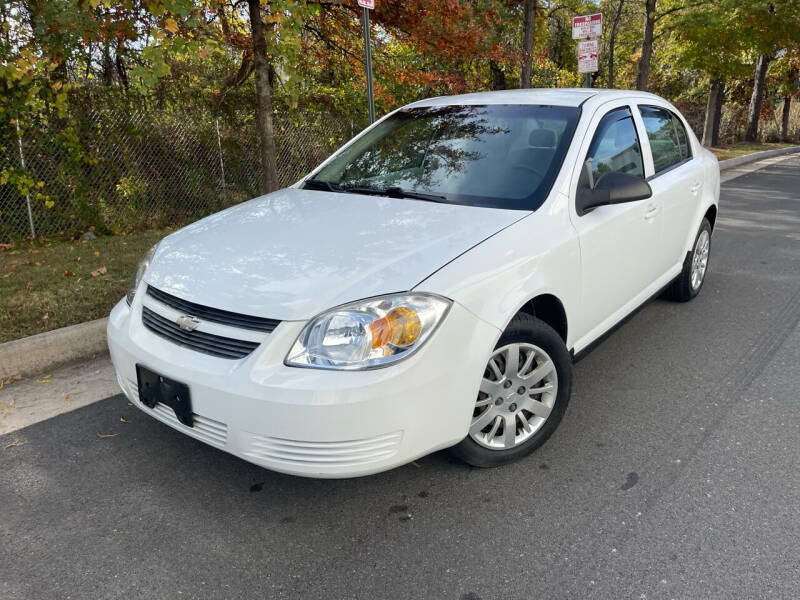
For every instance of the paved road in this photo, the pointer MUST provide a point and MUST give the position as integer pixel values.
(673, 475)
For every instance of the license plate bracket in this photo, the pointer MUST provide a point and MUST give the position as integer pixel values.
(155, 388)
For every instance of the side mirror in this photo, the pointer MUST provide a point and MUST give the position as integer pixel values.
(612, 188)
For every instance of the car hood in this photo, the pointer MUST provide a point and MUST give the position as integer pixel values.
(294, 253)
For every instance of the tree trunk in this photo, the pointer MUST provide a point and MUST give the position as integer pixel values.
(108, 65)
(718, 115)
(119, 62)
(755, 100)
(263, 99)
(498, 76)
(712, 106)
(528, 26)
(643, 72)
(787, 104)
(612, 38)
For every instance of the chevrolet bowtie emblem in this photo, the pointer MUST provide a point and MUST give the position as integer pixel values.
(188, 322)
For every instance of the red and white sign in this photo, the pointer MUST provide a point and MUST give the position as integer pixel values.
(585, 26)
(587, 56)
(370, 4)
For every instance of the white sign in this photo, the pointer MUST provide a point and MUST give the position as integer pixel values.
(587, 56)
(370, 4)
(585, 26)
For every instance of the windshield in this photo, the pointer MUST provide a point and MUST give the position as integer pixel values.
(502, 156)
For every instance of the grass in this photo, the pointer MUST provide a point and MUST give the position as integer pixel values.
(46, 285)
(742, 148)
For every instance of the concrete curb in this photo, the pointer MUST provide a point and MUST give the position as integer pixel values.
(45, 351)
(732, 163)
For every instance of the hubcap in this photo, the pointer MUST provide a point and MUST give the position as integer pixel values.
(517, 394)
(700, 259)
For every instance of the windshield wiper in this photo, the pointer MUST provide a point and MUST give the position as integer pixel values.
(393, 192)
(318, 184)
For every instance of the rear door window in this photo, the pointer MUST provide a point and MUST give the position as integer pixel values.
(667, 136)
(683, 138)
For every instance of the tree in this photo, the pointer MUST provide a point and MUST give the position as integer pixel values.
(612, 38)
(528, 29)
(784, 79)
(716, 95)
(261, 69)
(773, 27)
(705, 39)
(643, 72)
(754, 112)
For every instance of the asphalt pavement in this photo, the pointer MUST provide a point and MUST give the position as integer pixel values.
(673, 475)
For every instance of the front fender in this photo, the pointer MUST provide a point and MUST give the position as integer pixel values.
(537, 255)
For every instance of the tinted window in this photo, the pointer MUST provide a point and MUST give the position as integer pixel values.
(663, 135)
(683, 138)
(504, 156)
(615, 146)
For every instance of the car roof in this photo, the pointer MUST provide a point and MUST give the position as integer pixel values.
(539, 96)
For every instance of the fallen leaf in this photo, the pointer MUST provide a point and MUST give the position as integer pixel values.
(101, 271)
(8, 380)
(17, 442)
(107, 435)
(68, 399)
(122, 420)
(171, 25)
(97, 253)
(45, 379)
(68, 273)
(416, 464)
(29, 287)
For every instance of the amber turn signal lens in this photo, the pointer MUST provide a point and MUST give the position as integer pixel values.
(400, 327)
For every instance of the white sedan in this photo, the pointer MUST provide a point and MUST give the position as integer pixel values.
(429, 286)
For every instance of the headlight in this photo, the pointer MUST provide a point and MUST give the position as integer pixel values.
(140, 271)
(369, 333)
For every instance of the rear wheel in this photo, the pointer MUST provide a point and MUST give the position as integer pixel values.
(687, 285)
(523, 395)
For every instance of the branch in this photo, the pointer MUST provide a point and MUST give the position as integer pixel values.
(678, 8)
(321, 37)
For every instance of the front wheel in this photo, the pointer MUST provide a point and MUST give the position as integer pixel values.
(522, 396)
(687, 285)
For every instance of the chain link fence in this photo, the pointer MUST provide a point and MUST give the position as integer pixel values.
(136, 169)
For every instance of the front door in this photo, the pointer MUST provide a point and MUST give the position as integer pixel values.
(619, 243)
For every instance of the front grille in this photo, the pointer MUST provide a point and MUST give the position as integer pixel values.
(214, 314)
(208, 343)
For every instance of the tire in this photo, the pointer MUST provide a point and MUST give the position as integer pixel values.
(683, 288)
(529, 336)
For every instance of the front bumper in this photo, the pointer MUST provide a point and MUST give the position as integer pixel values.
(313, 422)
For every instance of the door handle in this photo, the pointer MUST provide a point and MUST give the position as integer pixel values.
(695, 188)
(650, 212)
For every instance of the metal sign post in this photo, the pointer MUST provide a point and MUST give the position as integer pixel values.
(366, 6)
(22, 163)
(591, 27)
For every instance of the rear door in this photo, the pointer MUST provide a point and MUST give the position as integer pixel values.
(619, 243)
(675, 176)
